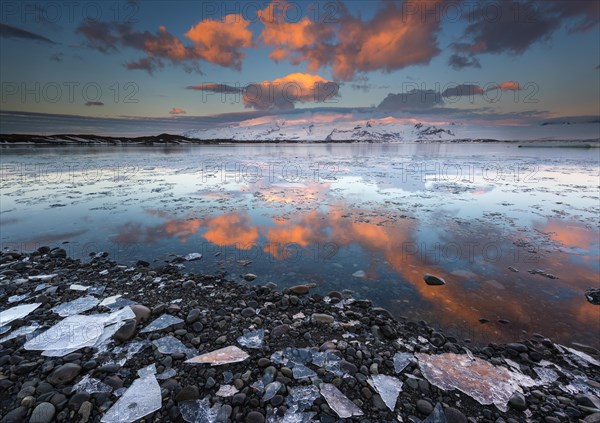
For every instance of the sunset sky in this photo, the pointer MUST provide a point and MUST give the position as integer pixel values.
(180, 64)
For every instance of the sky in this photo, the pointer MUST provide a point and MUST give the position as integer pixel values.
(83, 67)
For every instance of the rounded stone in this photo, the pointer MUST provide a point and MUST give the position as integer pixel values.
(255, 417)
(43, 413)
(64, 374)
(424, 407)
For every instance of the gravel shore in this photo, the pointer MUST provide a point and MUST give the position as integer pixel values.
(304, 357)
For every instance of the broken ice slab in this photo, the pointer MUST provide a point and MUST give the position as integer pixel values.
(171, 345)
(17, 298)
(17, 312)
(271, 390)
(292, 415)
(227, 391)
(388, 388)
(339, 402)
(482, 381)
(141, 398)
(147, 371)
(77, 287)
(91, 385)
(300, 371)
(125, 352)
(303, 396)
(436, 416)
(4, 329)
(329, 361)
(40, 287)
(42, 277)
(96, 290)
(162, 322)
(199, 411)
(401, 360)
(167, 374)
(252, 339)
(23, 330)
(76, 306)
(582, 357)
(193, 256)
(231, 354)
(547, 376)
(116, 302)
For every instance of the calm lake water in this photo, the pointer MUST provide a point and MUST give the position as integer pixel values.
(370, 218)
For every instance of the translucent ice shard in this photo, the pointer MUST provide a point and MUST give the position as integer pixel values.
(303, 396)
(227, 391)
(167, 374)
(252, 339)
(126, 352)
(329, 361)
(339, 402)
(76, 306)
(482, 381)
(96, 290)
(388, 388)
(42, 277)
(162, 322)
(292, 415)
(141, 398)
(582, 357)
(401, 360)
(17, 312)
(231, 354)
(171, 345)
(23, 330)
(91, 385)
(199, 411)
(77, 287)
(546, 376)
(193, 256)
(271, 390)
(17, 298)
(436, 416)
(300, 371)
(116, 302)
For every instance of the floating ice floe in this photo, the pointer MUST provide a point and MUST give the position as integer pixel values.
(339, 402)
(193, 256)
(91, 385)
(388, 388)
(77, 287)
(231, 354)
(171, 345)
(23, 330)
(252, 339)
(401, 360)
(79, 331)
(116, 302)
(199, 411)
(162, 322)
(141, 398)
(76, 306)
(42, 277)
(482, 381)
(17, 312)
(227, 391)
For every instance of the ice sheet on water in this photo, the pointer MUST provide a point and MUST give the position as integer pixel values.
(171, 345)
(199, 411)
(482, 381)
(436, 416)
(231, 354)
(252, 339)
(401, 360)
(303, 396)
(116, 302)
(388, 388)
(167, 374)
(300, 371)
(162, 322)
(141, 398)
(23, 330)
(17, 312)
(91, 385)
(271, 390)
(227, 391)
(77, 306)
(193, 256)
(339, 402)
(547, 376)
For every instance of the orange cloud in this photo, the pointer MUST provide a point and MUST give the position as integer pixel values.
(177, 111)
(231, 229)
(509, 86)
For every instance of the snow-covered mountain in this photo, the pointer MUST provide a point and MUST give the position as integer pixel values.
(374, 130)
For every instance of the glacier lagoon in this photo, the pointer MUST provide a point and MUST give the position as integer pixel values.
(513, 231)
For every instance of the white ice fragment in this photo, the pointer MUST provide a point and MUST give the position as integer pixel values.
(303, 397)
(231, 354)
(130, 350)
(171, 345)
(193, 256)
(77, 287)
(76, 306)
(271, 390)
(42, 277)
(338, 402)
(141, 398)
(252, 339)
(359, 274)
(292, 415)
(147, 371)
(199, 411)
(227, 391)
(23, 330)
(388, 388)
(17, 312)
(91, 385)
(4, 329)
(167, 374)
(300, 371)
(401, 360)
(298, 316)
(162, 322)
(482, 381)
(583, 356)
(546, 376)
(17, 298)
(103, 272)
(40, 287)
(116, 302)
